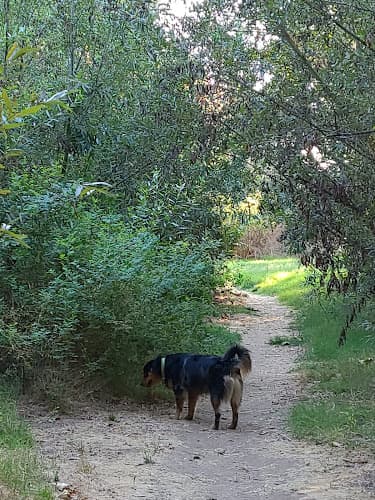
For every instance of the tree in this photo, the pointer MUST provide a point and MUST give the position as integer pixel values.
(297, 80)
(138, 119)
(136, 122)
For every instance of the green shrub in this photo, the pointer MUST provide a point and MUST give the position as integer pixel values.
(133, 297)
(94, 293)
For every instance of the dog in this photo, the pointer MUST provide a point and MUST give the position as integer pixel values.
(194, 374)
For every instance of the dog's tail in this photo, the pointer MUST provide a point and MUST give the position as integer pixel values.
(239, 357)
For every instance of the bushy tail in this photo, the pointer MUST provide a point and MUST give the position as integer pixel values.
(240, 358)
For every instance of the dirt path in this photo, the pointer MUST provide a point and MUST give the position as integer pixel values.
(126, 452)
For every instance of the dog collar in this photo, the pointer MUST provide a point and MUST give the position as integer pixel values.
(162, 369)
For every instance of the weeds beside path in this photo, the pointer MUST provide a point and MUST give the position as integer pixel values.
(127, 452)
(20, 471)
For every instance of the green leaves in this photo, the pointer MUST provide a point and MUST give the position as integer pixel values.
(13, 114)
(88, 188)
(17, 237)
(306, 136)
(32, 110)
(9, 126)
(15, 52)
(7, 102)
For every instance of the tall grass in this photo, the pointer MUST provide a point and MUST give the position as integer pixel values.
(339, 398)
(20, 470)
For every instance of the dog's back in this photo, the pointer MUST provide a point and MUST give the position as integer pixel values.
(197, 371)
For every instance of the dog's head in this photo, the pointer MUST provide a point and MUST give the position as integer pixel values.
(152, 372)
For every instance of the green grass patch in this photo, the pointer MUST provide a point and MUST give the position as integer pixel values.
(339, 403)
(335, 421)
(20, 470)
(283, 277)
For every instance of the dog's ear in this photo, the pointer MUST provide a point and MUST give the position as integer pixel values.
(150, 366)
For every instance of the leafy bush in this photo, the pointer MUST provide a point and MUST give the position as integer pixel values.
(95, 293)
(132, 297)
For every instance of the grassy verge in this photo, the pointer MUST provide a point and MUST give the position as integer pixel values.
(339, 401)
(20, 471)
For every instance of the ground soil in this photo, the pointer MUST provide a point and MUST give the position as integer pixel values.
(126, 451)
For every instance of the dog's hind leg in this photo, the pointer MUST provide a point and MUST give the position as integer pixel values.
(215, 401)
(236, 401)
(192, 401)
(180, 399)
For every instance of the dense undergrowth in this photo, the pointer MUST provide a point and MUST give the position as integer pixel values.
(338, 405)
(95, 294)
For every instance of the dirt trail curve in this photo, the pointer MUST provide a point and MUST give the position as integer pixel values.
(126, 452)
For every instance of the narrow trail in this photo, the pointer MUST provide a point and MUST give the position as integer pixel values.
(128, 452)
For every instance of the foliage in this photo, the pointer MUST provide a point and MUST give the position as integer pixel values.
(94, 293)
(107, 280)
(137, 119)
(295, 100)
(14, 114)
(244, 98)
(338, 404)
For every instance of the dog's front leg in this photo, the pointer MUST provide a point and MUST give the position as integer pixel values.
(180, 398)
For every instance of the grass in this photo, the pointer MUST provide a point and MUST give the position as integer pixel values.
(20, 470)
(335, 422)
(339, 401)
(281, 276)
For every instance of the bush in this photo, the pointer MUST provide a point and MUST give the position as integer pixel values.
(93, 293)
(130, 299)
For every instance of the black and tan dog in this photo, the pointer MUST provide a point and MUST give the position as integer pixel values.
(194, 374)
